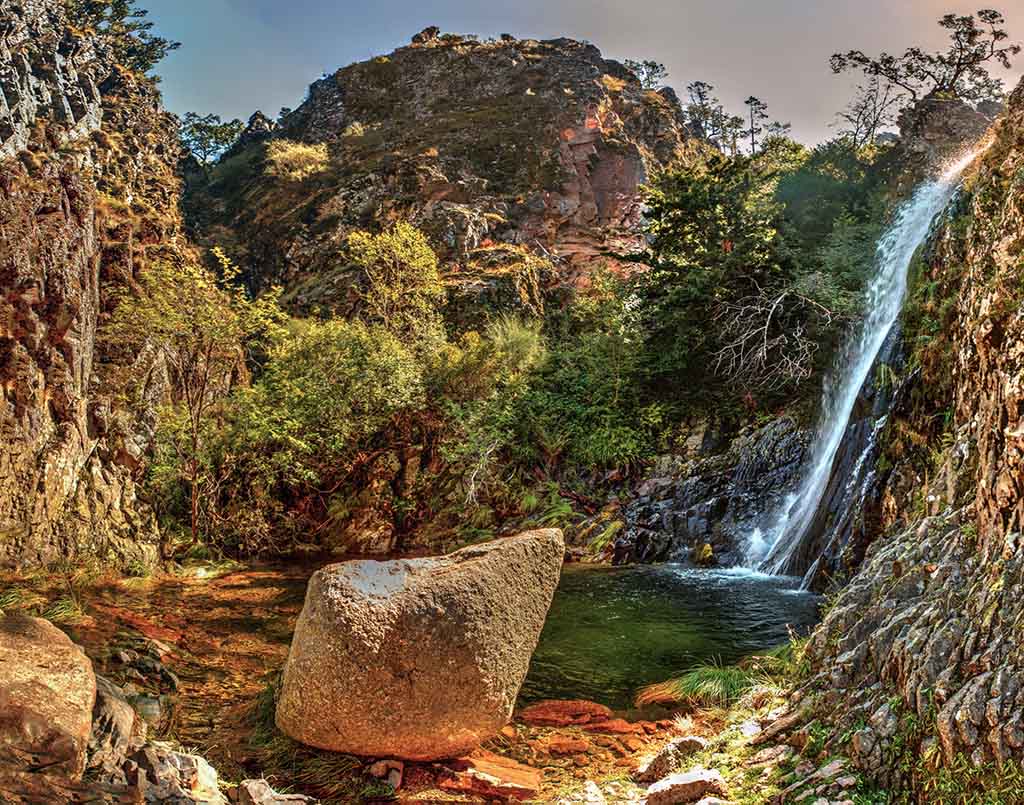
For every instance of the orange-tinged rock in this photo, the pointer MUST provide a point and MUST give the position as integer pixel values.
(615, 726)
(564, 713)
(486, 774)
(563, 745)
(632, 743)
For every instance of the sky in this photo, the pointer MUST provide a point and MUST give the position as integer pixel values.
(238, 56)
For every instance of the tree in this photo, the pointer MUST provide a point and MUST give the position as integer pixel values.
(207, 137)
(196, 324)
(875, 106)
(652, 74)
(960, 71)
(125, 28)
(401, 286)
(701, 109)
(758, 115)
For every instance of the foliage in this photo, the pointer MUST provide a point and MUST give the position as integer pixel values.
(295, 162)
(709, 685)
(584, 406)
(184, 317)
(207, 137)
(651, 74)
(755, 263)
(125, 29)
(960, 71)
(401, 288)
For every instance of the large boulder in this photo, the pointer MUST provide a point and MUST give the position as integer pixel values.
(47, 692)
(418, 658)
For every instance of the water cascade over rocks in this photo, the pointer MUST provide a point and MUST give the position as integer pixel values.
(782, 545)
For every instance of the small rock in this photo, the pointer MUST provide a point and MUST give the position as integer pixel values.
(563, 745)
(115, 728)
(259, 792)
(616, 726)
(686, 787)
(564, 713)
(668, 758)
(632, 743)
(485, 774)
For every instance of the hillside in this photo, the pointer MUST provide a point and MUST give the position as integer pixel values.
(497, 150)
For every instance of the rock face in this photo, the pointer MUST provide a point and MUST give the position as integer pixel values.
(69, 235)
(923, 650)
(487, 146)
(47, 691)
(418, 659)
(712, 497)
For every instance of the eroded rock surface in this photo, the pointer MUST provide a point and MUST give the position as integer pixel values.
(422, 658)
(47, 692)
(69, 235)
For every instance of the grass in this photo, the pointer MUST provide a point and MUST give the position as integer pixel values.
(334, 778)
(707, 685)
(716, 685)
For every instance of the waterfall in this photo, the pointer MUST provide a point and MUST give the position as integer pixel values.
(776, 548)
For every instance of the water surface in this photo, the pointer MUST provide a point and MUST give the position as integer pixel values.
(612, 630)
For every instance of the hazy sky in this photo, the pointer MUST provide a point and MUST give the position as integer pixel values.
(241, 55)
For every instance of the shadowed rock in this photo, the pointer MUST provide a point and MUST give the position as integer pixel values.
(47, 691)
(418, 659)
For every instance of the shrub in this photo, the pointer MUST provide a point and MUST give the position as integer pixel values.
(296, 162)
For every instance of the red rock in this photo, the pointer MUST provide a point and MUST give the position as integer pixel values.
(563, 745)
(563, 713)
(508, 731)
(649, 727)
(615, 726)
(486, 774)
(633, 744)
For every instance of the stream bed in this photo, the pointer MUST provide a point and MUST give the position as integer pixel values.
(613, 630)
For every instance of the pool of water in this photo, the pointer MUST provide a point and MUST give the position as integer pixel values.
(611, 631)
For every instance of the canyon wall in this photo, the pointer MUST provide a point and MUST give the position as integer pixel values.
(88, 194)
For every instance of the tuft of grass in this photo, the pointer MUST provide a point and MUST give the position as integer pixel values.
(65, 611)
(707, 685)
(21, 600)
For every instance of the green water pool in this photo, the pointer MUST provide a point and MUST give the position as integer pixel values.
(612, 630)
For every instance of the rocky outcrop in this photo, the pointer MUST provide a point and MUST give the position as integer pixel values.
(715, 496)
(418, 659)
(921, 654)
(87, 195)
(510, 143)
(47, 691)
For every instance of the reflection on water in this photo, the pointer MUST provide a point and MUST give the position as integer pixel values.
(613, 630)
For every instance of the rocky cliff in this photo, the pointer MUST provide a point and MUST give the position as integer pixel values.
(499, 150)
(920, 656)
(87, 196)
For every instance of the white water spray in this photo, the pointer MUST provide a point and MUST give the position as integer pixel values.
(771, 548)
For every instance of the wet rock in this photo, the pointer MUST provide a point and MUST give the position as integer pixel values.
(418, 659)
(668, 758)
(47, 693)
(686, 787)
(703, 510)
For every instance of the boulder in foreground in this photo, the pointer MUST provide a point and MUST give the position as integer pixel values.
(418, 659)
(47, 692)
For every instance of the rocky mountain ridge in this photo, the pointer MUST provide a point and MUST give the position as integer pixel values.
(501, 151)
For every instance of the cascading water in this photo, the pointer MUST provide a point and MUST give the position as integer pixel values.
(776, 548)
